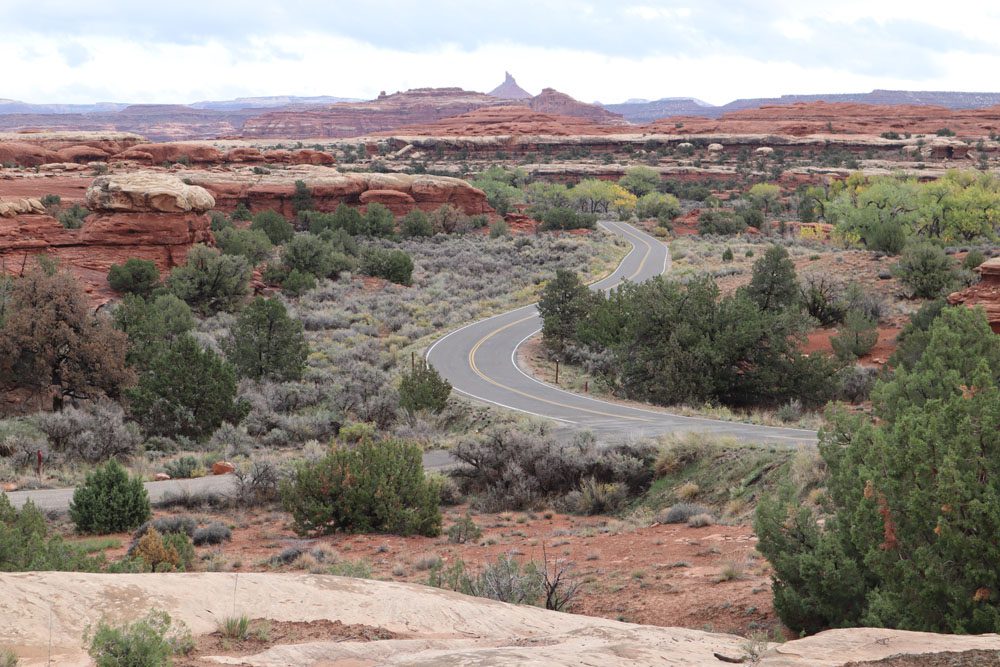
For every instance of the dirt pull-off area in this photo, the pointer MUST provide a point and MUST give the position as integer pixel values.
(315, 621)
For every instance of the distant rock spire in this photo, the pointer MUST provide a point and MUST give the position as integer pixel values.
(509, 90)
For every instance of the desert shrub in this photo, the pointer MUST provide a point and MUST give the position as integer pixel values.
(416, 224)
(210, 281)
(773, 285)
(855, 383)
(213, 533)
(241, 213)
(135, 276)
(393, 265)
(598, 497)
(823, 298)
(716, 221)
(912, 340)
(167, 525)
(973, 259)
(297, 283)
(235, 627)
(93, 434)
(505, 580)
(423, 389)
(345, 218)
(926, 270)
(187, 390)
(790, 411)
(109, 502)
(184, 468)
(464, 530)
(25, 544)
(701, 520)
(302, 197)
(163, 553)
(256, 483)
(687, 490)
(727, 255)
(514, 469)
(73, 217)
(314, 255)
(663, 207)
(372, 487)
(265, 343)
(379, 220)
(219, 221)
(906, 536)
(151, 641)
(499, 229)
(7, 657)
(856, 337)
(868, 303)
(567, 218)
(683, 512)
(253, 244)
(274, 225)
(446, 219)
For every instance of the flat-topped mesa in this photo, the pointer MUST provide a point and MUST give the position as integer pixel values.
(152, 216)
(985, 293)
(330, 188)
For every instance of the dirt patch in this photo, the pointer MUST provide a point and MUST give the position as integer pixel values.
(262, 634)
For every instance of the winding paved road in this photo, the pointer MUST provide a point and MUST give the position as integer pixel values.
(480, 361)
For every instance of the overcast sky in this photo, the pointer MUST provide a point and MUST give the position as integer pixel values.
(84, 51)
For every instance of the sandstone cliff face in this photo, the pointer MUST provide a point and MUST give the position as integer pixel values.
(985, 294)
(330, 188)
(507, 121)
(32, 149)
(145, 216)
(552, 101)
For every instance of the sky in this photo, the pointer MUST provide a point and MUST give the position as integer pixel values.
(176, 51)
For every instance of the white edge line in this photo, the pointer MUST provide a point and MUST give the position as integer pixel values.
(513, 358)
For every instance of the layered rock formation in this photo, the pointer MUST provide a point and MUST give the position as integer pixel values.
(205, 154)
(984, 294)
(509, 90)
(413, 107)
(145, 215)
(838, 118)
(330, 188)
(507, 121)
(32, 149)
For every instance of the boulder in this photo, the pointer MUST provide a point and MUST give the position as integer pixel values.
(82, 154)
(13, 207)
(764, 151)
(715, 148)
(147, 192)
(223, 468)
(243, 155)
(171, 152)
(161, 477)
(310, 156)
(24, 154)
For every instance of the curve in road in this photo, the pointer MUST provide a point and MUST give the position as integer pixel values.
(480, 361)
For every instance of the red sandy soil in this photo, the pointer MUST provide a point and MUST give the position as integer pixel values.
(667, 575)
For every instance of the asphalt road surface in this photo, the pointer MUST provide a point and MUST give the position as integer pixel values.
(480, 361)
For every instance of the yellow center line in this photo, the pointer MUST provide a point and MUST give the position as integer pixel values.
(481, 341)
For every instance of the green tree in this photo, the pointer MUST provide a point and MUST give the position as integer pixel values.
(379, 220)
(273, 224)
(25, 544)
(109, 502)
(393, 265)
(774, 285)
(210, 281)
(241, 213)
(423, 389)
(764, 196)
(926, 270)
(856, 338)
(309, 253)
(663, 207)
(252, 244)
(563, 304)
(265, 343)
(640, 181)
(346, 218)
(416, 224)
(186, 390)
(135, 276)
(373, 487)
(914, 496)
(52, 344)
(149, 324)
(302, 198)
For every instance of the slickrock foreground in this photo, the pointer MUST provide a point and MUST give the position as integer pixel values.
(433, 627)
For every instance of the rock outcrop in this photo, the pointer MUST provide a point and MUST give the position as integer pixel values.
(985, 293)
(506, 121)
(45, 614)
(420, 106)
(509, 90)
(32, 149)
(330, 188)
(144, 215)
